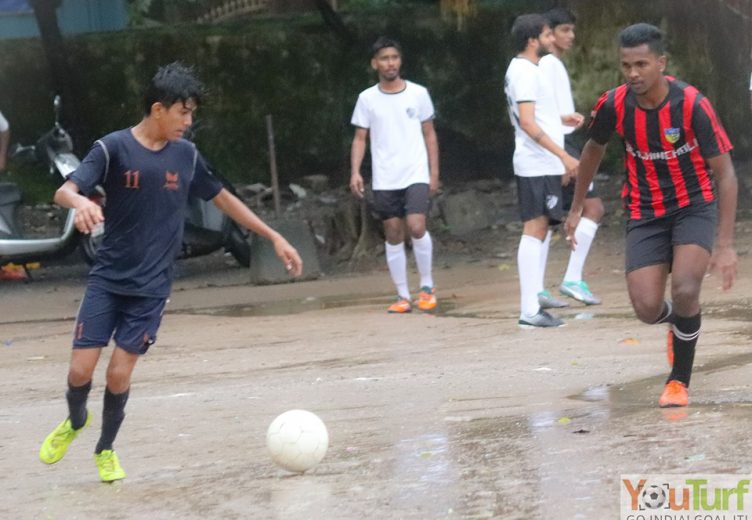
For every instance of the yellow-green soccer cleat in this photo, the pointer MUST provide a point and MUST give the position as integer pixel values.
(56, 444)
(109, 466)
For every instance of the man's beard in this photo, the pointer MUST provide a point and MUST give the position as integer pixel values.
(542, 51)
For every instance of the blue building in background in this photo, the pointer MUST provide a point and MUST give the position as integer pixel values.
(74, 17)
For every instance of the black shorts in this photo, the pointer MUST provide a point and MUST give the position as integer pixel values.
(398, 203)
(133, 320)
(651, 242)
(567, 194)
(539, 196)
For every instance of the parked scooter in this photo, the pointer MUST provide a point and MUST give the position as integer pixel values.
(55, 150)
(206, 228)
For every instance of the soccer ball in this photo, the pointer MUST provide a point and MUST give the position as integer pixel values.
(654, 496)
(297, 440)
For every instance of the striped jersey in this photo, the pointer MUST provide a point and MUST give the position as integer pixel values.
(665, 148)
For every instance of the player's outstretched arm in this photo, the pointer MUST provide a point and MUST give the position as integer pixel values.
(233, 207)
(592, 155)
(723, 261)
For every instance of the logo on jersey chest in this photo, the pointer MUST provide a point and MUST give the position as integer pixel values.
(172, 181)
(672, 134)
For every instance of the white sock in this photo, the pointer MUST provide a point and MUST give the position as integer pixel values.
(584, 234)
(528, 267)
(423, 250)
(396, 260)
(543, 259)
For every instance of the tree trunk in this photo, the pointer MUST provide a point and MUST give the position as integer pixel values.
(335, 22)
(63, 79)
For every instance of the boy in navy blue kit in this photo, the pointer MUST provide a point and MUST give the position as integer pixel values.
(148, 172)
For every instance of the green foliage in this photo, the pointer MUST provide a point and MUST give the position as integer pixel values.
(296, 69)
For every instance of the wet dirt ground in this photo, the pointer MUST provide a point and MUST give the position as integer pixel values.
(454, 415)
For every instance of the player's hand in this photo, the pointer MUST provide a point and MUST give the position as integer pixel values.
(433, 185)
(356, 185)
(573, 220)
(88, 215)
(723, 262)
(574, 119)
(570, 165)
(566, 179)
(289, 256)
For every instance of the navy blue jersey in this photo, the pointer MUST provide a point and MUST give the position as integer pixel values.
(147, 193)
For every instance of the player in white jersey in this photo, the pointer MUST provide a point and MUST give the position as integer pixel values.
(539, 159)
(562, 23)
(398, 115)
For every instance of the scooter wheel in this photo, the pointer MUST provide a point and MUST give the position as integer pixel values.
(239, 245)
(88, 246)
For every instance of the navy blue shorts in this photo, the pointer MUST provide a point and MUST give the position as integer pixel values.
(651, 242)
(132, 321)
(416, 198)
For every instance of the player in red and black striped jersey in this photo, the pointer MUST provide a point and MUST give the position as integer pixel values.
(680, 190)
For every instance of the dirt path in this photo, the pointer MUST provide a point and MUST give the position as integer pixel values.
(457, 415)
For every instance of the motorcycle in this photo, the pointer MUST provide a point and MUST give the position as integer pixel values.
(206, 228)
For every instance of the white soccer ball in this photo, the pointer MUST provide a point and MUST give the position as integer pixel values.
(297, 440)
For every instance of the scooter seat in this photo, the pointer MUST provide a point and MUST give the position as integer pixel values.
(9, 194)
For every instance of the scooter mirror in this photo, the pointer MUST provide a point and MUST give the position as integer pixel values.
(57, 103)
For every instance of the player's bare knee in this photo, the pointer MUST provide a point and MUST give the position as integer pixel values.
(79, 375)
(648, 312)
(118, 379)
(686, 297)
(417, 230)
(594, 210)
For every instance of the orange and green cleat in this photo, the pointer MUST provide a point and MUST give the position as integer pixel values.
(427, 298)
(401, 306)
(674, 394)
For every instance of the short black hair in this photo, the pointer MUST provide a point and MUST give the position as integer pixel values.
(525, 27)
(172, 83)
(642, 34)
(384, 42)
(559, 16)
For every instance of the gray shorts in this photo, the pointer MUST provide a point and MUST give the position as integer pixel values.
(539, 196)
(398, 203)
(651, 242)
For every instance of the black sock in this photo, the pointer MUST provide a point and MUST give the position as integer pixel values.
(77, 396)
(686, 331)
(667, 313)
(112, 417)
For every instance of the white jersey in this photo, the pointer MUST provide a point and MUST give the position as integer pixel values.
(555, 73)
(398, 151)
(525, 83)
(750, 82)
(3, 123)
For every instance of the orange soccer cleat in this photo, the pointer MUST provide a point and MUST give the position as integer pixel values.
(674, 394)
(401, 306)
(427, 298)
